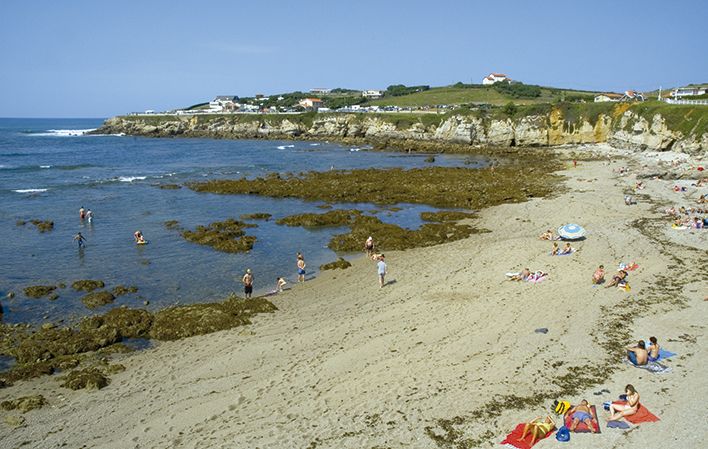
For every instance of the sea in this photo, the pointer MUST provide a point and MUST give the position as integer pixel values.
(50, 168)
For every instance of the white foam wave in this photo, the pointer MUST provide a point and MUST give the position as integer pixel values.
(131, 178)
(45, 166)
(30, 190)
(64, 132)
(314, 144)
(281, 147)
(354, 149)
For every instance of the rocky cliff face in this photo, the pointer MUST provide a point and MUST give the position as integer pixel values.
(628, 131)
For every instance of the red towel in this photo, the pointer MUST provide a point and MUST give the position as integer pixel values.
(582, 427)
(642, 415)
(525, 443)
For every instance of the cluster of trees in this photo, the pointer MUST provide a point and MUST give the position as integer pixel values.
(396, 90)
(518, 90)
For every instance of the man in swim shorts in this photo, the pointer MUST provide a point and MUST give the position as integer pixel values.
(581, 413)
(247, 284)
(638, 355)
(300, 267)
(80, 239)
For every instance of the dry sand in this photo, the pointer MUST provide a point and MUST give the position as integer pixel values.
(344, 364)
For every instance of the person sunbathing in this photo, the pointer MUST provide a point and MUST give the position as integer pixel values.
(630, 407)
(567, 249)
(548, 235)
(537, 429)
(523, 276)
(581, 413)
(654, 349)
(638, 355)
(616, 279)
(598, 277)
(555, 250)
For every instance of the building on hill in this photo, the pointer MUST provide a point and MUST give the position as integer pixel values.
(372, 93)
(689, 91)
(495, 78)
(632, 95)
(320, 90)
(608, 96)
(311, 104)
(224, 103)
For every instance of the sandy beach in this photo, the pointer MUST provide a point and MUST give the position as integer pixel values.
(446, 355)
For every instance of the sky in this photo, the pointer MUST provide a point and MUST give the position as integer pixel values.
(76, 58)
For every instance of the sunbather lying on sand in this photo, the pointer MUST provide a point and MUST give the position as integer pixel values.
(537, 428)
(567, 249)
(524, 275)
(619, 411)
(548, 235)
(581, 413)
(616, 279)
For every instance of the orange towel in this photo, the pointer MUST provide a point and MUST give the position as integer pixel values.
(642, 415)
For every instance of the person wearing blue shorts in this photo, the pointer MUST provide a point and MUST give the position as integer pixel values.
(581, 414)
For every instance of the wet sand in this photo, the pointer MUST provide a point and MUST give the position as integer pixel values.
(421, 362)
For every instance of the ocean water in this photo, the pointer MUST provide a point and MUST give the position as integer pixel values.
(49, 169)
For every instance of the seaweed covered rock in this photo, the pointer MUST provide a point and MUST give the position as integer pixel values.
(393, 237)
(197, 319)
(37, 291)
(120, 290)
(445, 215)
(339, 264)
(97, 299)
(256, 216)
(89, 378)
(170, 186)
(171, 224)
(337, 217)
(227, 236)
(87, 285)
(24, 404)
(46, 344)
(41, 225)
(127, 323)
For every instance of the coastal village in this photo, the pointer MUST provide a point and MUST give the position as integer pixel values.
(361, 101)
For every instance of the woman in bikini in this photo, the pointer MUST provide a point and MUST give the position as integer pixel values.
(567, 249)
(555, 250)
(619, 411)
(538, 429)
(616, 279)
(598, 277)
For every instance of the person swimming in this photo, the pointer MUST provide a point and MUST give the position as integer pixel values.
(139, 238)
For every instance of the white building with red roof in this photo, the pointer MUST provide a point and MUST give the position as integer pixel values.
(495, 78)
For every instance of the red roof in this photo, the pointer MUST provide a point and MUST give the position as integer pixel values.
(498, 75)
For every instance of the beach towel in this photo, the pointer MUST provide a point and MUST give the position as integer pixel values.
(515, 434)
(537, 277)
(617, 425)
(642, 415)
(663, 353)
(582, 427)
(562, 254)
(652, 367)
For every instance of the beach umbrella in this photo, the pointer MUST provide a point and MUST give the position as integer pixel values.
(571, 231)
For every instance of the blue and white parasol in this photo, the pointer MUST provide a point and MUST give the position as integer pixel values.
(571, 231)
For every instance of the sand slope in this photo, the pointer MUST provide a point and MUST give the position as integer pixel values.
(344, 364)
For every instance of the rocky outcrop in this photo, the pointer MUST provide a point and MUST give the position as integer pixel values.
(625, 130)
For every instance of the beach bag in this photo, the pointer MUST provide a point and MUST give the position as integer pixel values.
(560, 407)
(563, 434)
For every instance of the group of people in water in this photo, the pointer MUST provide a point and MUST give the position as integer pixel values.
(87, 215)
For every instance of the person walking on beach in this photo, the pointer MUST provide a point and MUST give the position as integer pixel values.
(89, 216)
(247, 283)
(369, 246)
(382, 269)
(300, 268)
(80, 239)
(82, 213)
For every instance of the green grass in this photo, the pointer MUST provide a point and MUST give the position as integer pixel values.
(688, 119)
(476, 94)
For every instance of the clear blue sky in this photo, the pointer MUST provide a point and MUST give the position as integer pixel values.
(75, 58)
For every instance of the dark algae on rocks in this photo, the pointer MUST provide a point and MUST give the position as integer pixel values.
(339, 264)
(98, 299)
(332, 218)
(87, 285)
(227, 236)
(38, 291)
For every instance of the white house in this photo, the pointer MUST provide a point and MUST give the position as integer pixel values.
(223, 103)
(689, 91)
(320, 90)
(311, 103)
(609, 96)
(632, 95)
(372, 93)
(495, 78)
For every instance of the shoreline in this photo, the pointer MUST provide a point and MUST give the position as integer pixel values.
(343, 364)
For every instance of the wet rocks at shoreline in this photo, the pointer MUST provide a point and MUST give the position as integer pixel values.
(227, 236)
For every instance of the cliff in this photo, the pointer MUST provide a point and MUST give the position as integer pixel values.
(646, 126)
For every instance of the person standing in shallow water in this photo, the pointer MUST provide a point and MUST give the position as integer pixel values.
(89, 216)
(82, 213)
(80, 239)
(247, 284)
(382, 269)
(300, 268)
